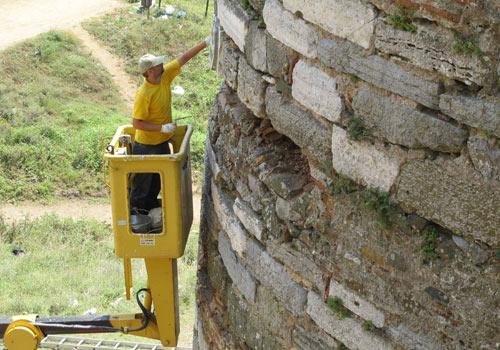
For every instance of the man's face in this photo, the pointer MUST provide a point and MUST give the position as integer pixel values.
(156, 71)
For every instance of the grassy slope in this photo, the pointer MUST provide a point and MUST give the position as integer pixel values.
(131, 35)
(56, 103)
(69, 267)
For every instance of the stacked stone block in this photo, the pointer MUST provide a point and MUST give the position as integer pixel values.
(351, 195)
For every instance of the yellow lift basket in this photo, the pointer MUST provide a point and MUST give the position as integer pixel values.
(159, 250)
(176, 196)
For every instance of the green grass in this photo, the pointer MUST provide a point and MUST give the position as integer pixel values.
(380, 202)
(337, 306)
(368, 326)
(465, 46)
(56, 103)
(130, 35)
(68, 267)
(402, 22)
(343, 185)
(429, 245)
(356, 129)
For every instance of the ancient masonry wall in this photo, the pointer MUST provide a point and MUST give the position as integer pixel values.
(351, 194)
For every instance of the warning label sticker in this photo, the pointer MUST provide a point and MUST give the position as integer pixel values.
(147, 241)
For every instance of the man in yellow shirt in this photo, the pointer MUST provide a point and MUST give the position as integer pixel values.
(152, 119)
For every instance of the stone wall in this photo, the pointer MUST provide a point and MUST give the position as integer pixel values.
(351, 195)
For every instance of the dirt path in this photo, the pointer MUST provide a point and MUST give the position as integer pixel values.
(73, 208)
(22, 19)
(114, 65)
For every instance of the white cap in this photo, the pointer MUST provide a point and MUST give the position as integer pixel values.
(148, 60)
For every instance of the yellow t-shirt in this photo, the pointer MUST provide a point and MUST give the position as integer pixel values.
(153, 104)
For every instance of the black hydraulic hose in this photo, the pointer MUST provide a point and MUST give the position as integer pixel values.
(49, 328)
(206, 9)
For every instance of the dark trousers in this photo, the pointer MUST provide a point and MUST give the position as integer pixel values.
(146, 186)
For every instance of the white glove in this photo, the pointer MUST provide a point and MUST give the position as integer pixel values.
(168, 128)
(208, 40)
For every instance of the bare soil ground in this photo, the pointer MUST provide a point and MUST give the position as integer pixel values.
(114, 65)
(22, 19)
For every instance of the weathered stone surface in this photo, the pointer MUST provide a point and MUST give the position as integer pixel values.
(199, 340)
(256, 47)
(349, 58)
(223, 206)
(347, 330)
(445, 12)
(273, 275)
(290, 30)
(430, 47)
(212, 160)
(367, 164)
(234, 20)
(249, 219)
(361, 307)
(411, 340)
(349, 19)
(299, 125)
(261, 265)
(278, 57)
(257, 4)
(479, 113)
(284, 184)
(240, 322)
(450, 194)
(316, 90)
(319, 175)
(306, 340)
(228, 64)
(285, 211)
(485, 155)
(256, 186)
(437, 295)
(302, 269)
(241, 278)
(386, 117)
(261, 325)
(251, 88)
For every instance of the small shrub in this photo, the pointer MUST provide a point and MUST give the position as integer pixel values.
(464, 46)
(356, 129)
(341, 346)
(429, 245)
(343, 185)
(489, 133)
(246, 5)
(354, 78)
(402, 22)
(368, 326)
(379, 201)
(337, 306)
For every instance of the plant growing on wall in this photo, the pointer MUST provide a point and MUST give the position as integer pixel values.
(337, 306)
(380, 202)
(429, 245)
(356, 129)
(368, 326)
(403, 20)
(465, 46)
